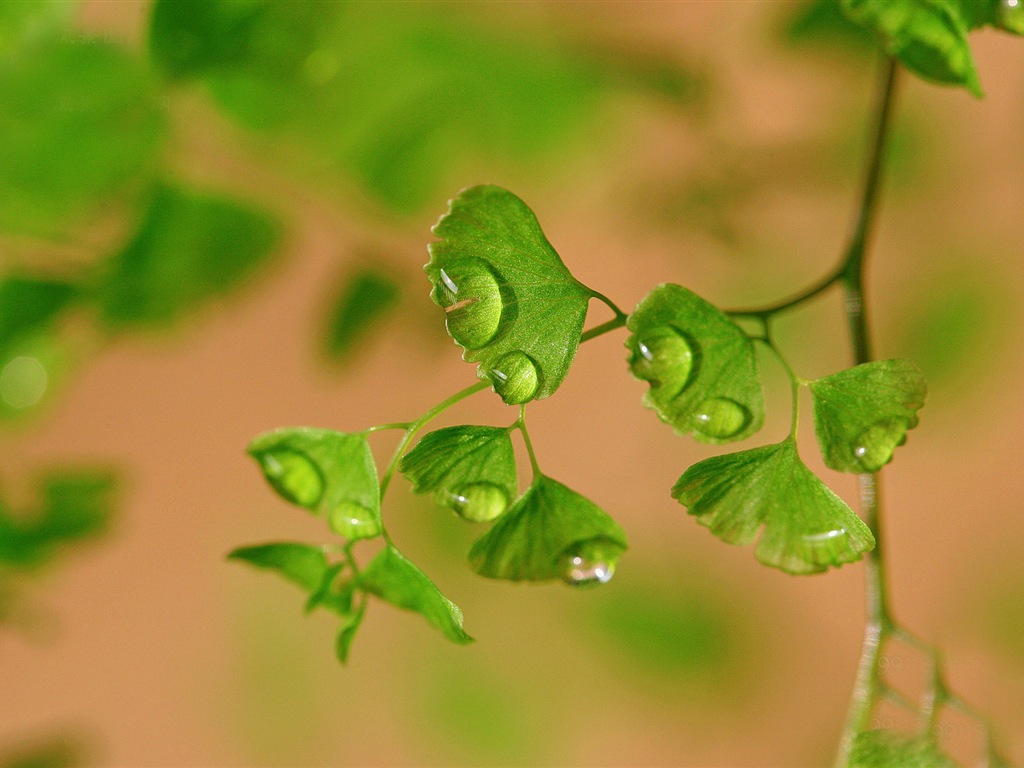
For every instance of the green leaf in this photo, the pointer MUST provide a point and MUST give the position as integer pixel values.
(346, 634)
(929, 37)
(699, 363)
(862, 414)
(363, 300)
(81, 127)
(551, 532)
(822, 22)
(470, 469)
(29, 304)
(190, 248)
(398, 99)
(1007, 15)
(392, 577)
(511, 303)
(329, 473)
(302, 564)
(888, 749)
(807, 527)
(74, 506)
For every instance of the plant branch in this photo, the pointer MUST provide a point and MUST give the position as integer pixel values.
(851, 275)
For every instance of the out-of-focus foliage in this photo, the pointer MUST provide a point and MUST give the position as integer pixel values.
(362, 300)
(189, 247)
(396, 96)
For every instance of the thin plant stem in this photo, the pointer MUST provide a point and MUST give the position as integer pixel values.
(851, 275)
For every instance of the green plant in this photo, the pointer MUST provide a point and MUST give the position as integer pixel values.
(516, 311)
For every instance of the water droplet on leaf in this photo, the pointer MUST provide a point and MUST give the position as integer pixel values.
(1011, 16)
(590, 563)
(664, 357)
(875, 445)
(720, 418)
(515, 378)
(353, 521)
(293, 476)
(470, 294)
(479, 502)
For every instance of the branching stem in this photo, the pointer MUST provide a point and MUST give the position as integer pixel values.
(851, 275)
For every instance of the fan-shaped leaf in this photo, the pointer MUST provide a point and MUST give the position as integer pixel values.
(511, 303)
(470, 469)
(700, 366)
(863, 413)
(806, 526)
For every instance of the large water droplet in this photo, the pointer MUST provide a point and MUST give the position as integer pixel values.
(590, 563)
(874, 447)
(293, 475)
(353, 521)
(665, 358)
(515, 378)
(1011, 16)
(471, 296)
(720, 418)
(479, 502)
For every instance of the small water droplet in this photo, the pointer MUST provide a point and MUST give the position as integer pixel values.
(665, 358)
(471, 296)
(1011, 16)
(353, 521)
(515, 378)
(293, 475)
(720, 418)
(590, 563)
(824, 536)
(874, 447)
(479, 502)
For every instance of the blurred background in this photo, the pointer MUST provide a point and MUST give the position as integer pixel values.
(213, 218)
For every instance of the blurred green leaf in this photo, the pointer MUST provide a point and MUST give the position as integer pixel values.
(190, 248)
(392, 577)
(24, 23)
(863, 413)
(700, 366)
(511, 303)
(953, 321)
(807, 527)
(470, 469)
(362, 301)
(929, 37)
(551, 532)
(55, 752)
(392, 96)
(29, 304)
(888, 749)
(304, 565)
(80, 125)
(329, 473)
(823, 23)
(74, 506)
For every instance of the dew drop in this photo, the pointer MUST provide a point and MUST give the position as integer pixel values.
(1011, 16)
(479, 502)
(515, 378)
(590, 563)
(353, 521)
(720, 418)
(293, 475)
(471, 296)
(874, 447)
(665, 358)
